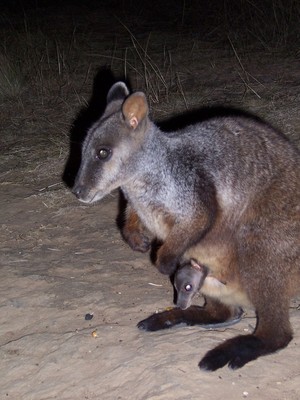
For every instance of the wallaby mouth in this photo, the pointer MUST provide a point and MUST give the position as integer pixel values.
(84, 195)
(183, 307)
(183, 304)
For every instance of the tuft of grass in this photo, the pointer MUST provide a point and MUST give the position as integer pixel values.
(274, 24)
(12, 80)
(159, 78)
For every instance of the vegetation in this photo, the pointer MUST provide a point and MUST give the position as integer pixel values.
(59, 58)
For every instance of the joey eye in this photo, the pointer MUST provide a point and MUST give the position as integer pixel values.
(188, 287)
(104, 153)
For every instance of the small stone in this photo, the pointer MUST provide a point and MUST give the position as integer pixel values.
(88, 317)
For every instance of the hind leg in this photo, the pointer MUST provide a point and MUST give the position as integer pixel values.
(212, 315)
(273, 332)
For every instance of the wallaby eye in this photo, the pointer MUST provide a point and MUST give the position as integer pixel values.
(104, 153)
(188, 287)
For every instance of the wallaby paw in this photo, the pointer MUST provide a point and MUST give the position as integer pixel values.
(138, 242)
(166, 267)
(235, 352)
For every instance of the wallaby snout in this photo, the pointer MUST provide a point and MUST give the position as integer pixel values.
(82, 192)
(77, 190)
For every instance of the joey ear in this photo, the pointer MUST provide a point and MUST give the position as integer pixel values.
(195, 264)
(135, 109)
(118, 91)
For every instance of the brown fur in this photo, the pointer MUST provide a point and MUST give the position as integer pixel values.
(224, 192)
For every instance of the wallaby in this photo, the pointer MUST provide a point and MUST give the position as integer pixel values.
(188, 280)
(224, 192)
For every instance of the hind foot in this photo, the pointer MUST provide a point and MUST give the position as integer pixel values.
(235, 352)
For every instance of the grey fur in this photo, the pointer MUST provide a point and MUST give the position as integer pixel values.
(188, 281)
(224, 192)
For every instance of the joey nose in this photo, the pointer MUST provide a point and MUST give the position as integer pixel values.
(77, 190)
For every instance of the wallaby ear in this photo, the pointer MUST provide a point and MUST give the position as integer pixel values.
(118, 91)
(135, 109)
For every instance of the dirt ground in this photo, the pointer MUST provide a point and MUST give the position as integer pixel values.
(61, 260)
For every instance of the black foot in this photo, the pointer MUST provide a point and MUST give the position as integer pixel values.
(235, 352)
(155, 323)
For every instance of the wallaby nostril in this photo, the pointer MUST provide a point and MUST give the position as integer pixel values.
(77, 190)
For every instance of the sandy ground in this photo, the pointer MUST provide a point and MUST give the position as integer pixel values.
(61, 260)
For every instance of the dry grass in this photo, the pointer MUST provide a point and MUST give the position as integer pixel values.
(196, 55)
(51, 60)
(11, 78)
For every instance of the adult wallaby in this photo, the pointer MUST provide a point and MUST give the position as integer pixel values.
(224, 192)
